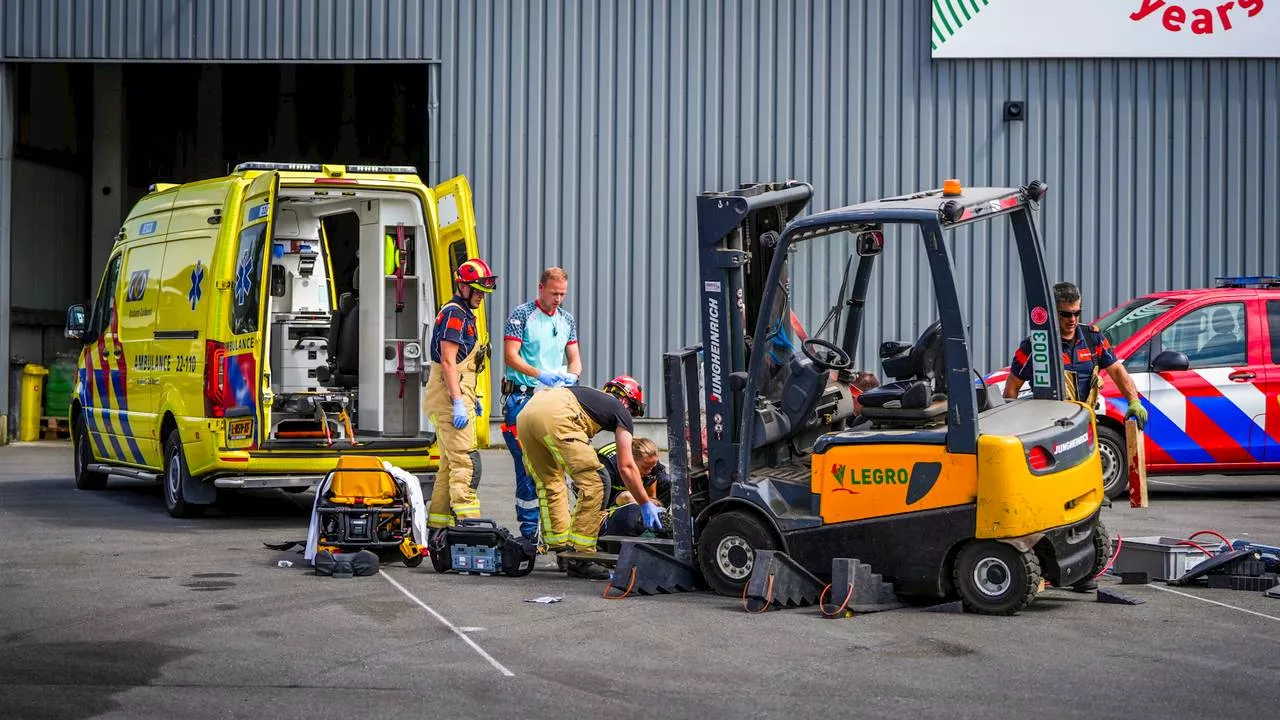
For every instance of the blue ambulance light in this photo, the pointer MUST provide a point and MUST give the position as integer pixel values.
(1248, 281)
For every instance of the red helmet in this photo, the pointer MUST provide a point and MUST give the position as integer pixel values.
(476, 273)
(628, 390)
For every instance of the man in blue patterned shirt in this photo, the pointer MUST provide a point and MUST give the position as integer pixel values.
(540, 347)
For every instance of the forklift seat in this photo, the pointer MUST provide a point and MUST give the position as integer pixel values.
(919, 391)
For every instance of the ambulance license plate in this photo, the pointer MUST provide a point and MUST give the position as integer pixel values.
(239, 428)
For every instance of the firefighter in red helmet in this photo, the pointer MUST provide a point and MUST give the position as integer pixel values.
(457, 359)
(555, 429)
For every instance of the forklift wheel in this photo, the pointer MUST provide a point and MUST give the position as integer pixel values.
(727, 550)
(1101, 556)
(996, 578)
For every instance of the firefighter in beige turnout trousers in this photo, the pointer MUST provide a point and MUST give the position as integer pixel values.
(555, 430)
(456, 360)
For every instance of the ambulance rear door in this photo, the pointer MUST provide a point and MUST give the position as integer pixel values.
(247, 383)
(453, 242)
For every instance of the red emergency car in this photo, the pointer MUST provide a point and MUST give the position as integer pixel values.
(1207, 364)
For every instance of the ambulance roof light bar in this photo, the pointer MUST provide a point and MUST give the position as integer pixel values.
(317, 167)
(1248, 281)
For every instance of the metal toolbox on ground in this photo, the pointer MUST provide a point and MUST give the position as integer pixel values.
(1161, 558)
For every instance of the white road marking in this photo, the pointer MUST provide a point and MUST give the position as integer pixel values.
(460, 632)
(1174, 484)
(1215, 602)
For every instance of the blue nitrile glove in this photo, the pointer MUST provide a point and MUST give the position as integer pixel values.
(550, 378)
(649, 512)
(568, 378)
(479, 408)
(459, 413)
(1138, 413)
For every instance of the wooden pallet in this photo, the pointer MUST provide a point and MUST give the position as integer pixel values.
(54, 428)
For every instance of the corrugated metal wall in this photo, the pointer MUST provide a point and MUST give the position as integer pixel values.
(587, 128)
(221, 30)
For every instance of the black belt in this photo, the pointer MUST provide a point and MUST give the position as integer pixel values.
(510, 388)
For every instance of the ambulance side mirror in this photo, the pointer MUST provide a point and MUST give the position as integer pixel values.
(77, 322)
(1170, 361)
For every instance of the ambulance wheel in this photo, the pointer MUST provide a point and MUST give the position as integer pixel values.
(1115, 464)
(176, 474)
(86, 479)
(727, 550)
(995, 578)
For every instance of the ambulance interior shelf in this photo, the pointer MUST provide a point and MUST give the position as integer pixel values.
(377, 391)
(302, 407)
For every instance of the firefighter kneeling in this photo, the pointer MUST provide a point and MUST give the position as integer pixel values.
(555, 430)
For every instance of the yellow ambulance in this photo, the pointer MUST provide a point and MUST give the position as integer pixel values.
(249, 329)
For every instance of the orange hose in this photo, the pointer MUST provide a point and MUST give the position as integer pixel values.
(630, 585)
(822, 605)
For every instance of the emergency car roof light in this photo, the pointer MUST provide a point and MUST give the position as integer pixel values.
(290, 167)
(383, 169)
(1035, 190)
(1248, 281)
(950, 187)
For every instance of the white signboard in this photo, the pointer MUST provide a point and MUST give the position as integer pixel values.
(1106, 28)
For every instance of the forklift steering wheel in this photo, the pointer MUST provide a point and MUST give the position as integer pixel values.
(834, 358)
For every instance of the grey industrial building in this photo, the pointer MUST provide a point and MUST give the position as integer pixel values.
(587, 128)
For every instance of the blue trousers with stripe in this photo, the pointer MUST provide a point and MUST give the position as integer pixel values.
(527, 513)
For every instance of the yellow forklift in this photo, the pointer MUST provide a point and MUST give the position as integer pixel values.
(939, 484)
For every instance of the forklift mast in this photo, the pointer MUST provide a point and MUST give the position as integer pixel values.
(738, 231)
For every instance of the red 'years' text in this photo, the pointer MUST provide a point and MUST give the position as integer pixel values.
(1204, 20)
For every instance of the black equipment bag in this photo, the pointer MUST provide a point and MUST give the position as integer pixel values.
(474, 539)
(345, 565)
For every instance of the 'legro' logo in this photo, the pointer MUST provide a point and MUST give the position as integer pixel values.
(1204, 20)
(1040, 358)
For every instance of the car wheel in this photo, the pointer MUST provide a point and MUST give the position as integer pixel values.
(995, 578)
(176, 475)
(1115, 463)
(86, 479)
(727, 550)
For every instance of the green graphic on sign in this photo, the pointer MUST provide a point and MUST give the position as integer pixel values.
(950, 15)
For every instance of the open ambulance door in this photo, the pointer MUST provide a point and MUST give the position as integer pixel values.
(247, 389)
(453, 242)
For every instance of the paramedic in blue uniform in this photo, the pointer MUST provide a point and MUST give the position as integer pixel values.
(1086, 352)
(456, 362)
(540, 347)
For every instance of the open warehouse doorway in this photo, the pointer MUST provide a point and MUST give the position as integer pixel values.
(89, 139)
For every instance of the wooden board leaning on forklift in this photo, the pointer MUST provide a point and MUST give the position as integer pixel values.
(1137, 457)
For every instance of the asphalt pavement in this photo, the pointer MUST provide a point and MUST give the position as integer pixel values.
(109, 608)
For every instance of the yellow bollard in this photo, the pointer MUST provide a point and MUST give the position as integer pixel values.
(32, 402)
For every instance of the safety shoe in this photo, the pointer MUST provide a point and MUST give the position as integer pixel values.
(587, 569)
